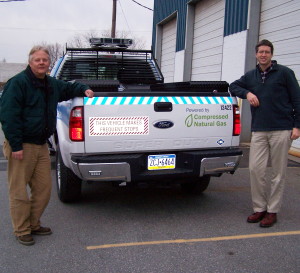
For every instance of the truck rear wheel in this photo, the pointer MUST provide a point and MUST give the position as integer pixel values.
(196, 186)
(68, 184)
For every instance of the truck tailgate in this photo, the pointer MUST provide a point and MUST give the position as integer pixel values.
(151, 123)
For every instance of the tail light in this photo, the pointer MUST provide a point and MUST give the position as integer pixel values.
(236, 121)
(76, 126)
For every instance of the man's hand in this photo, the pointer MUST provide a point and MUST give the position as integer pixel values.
(17, 155)
(89, 93)
(253, 100)
(295, 133)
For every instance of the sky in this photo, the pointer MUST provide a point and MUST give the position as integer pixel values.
(24, 24)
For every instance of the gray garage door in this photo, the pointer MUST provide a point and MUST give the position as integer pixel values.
(280, 23)
(168, 50)
(208, 40)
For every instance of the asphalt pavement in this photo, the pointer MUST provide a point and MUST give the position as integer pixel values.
(125, 230)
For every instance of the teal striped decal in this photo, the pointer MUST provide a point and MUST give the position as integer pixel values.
(152, 100)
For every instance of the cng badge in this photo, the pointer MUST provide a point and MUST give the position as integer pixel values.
(220, 142)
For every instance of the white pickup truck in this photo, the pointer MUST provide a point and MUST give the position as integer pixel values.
(139, 130)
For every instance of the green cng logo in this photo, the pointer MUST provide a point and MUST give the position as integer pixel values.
(189, 120)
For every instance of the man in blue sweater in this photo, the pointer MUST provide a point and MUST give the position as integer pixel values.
(274, 96)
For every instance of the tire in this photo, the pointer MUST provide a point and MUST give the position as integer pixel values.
(196, 186)
(68, 184)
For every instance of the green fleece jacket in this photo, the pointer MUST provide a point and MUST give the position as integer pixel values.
(278, 95)
(28, 107)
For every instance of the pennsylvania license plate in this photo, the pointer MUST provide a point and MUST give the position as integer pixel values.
(161, 162)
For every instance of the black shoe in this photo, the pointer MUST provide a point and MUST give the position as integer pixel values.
(26, 240)
(42, 231)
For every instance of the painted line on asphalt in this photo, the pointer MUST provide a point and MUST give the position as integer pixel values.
(184, 241)
(289, 167)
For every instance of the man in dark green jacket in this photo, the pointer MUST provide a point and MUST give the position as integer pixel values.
(274, 96)
(28, 118)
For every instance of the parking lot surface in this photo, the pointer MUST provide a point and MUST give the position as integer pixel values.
(158, 230)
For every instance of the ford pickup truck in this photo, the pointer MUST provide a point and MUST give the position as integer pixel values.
(138, 129)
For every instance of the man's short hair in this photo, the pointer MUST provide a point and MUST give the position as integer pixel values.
(38, 48)
(264, 43)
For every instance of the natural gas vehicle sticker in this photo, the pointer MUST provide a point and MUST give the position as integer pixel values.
(201, 117)
(196, 120)
(116, 126)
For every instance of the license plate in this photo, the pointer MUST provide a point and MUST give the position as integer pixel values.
(161, 162)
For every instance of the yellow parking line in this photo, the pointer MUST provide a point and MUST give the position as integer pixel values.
(289, 167)
(184, 241)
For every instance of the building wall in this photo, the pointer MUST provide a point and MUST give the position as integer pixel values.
(208, 40)
(236, 16)
(234, 51)
(192, 63)
(8, 70)
(280, 23)
(168, 45)
(245, 23)
(163, 9)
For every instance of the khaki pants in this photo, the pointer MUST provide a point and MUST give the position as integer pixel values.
(267, 195)
(33, 171)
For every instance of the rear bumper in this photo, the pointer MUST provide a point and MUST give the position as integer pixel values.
(133, 167)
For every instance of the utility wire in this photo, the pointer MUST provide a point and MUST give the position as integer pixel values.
(141, 5)
(125, 17)
(3, 1)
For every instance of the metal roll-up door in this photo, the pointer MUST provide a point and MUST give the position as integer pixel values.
(168, 50)
(280, 23)
(208, 40)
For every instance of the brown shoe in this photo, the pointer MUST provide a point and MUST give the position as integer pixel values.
(42, 231)
(256, 217)
(26, 240)
(269, 220)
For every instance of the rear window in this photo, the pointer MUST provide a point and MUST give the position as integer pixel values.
(126, 68)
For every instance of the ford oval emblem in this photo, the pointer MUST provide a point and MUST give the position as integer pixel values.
(163, 124)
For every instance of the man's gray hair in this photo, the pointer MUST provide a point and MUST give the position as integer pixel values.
(38, 48)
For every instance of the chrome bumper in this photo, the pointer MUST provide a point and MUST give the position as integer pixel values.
(131, 168)
(218, 165)
(119, 171)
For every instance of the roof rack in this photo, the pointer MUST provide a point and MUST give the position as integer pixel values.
(126, 65)
(110, 42)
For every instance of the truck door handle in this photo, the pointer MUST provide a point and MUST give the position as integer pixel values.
(163, 106)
